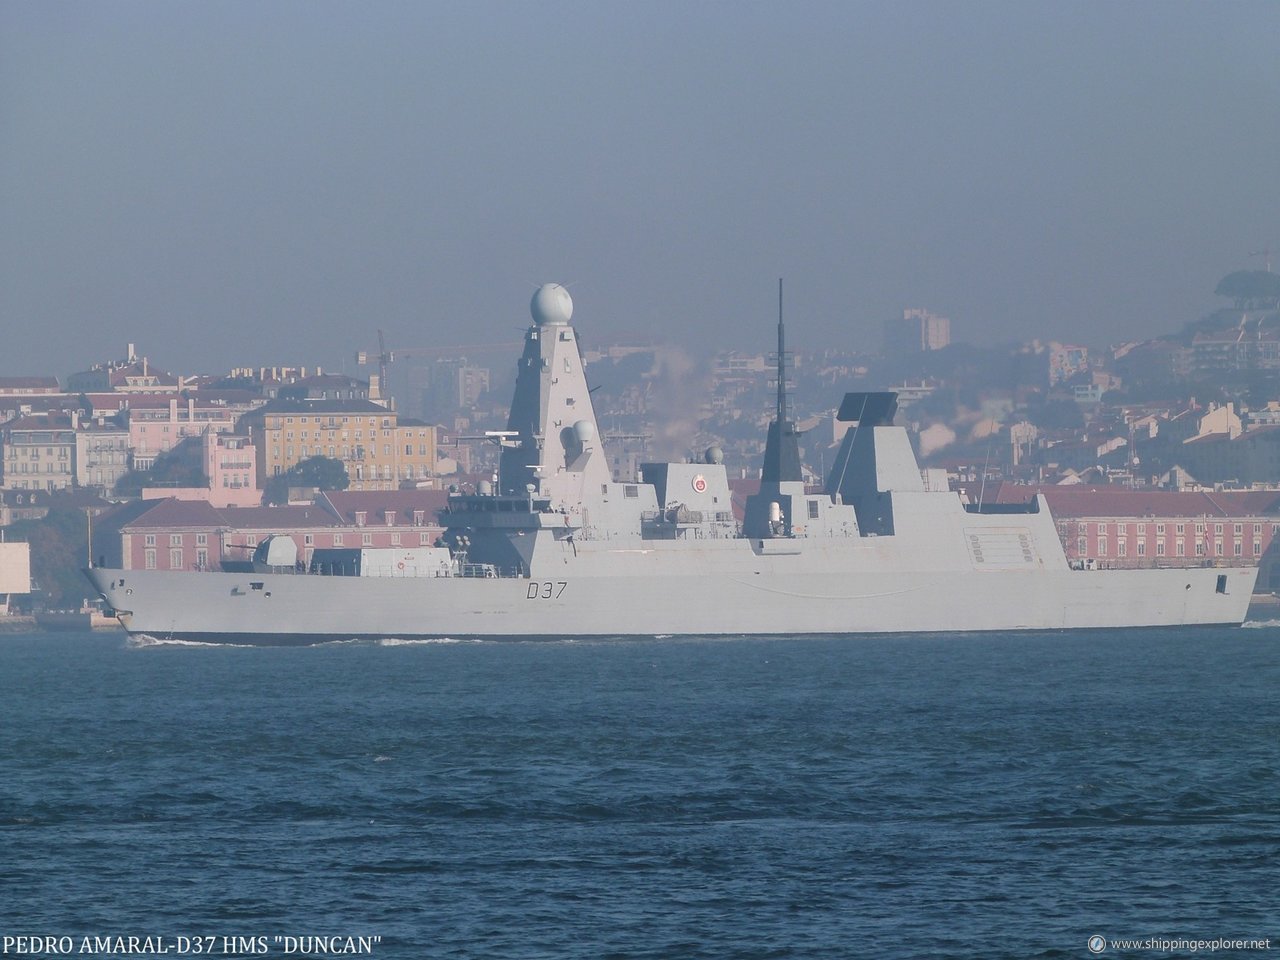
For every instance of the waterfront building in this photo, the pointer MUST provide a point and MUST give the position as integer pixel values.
(29, 387)
(375, 448)
(14, 405)
(18, 505)
(407, 518)
(1250, 343)
(229, 464)
(417, 456)
(38, 452)
(103, 453)
(15, 572)
(158, 424)
(173, 534)
(1103, 525)
(324, 386)
(133, 374)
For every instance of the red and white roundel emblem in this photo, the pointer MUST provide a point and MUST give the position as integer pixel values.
(700, 483)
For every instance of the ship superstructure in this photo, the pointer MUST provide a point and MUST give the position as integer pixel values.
(558, 548)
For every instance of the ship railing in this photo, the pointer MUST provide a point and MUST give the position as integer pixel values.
(1163, 563)
(486, 571)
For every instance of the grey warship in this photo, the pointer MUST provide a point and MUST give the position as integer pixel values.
(559, 549)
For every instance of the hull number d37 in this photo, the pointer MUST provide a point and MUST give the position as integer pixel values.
(546, 590)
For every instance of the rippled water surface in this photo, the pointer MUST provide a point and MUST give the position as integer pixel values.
(991, 795)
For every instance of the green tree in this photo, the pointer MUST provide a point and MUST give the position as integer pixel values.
(59, 548)
(173, 468)
(1056, 415)
(323, 473)
(1256, 288)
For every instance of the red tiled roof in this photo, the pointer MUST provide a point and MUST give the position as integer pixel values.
(199, 513)
(107, 401)
(28, 383)
(37, 402)
(52, 422)
(291, 517)
(1087, 500)
(375, 503)
(120, 375)
(176, 513)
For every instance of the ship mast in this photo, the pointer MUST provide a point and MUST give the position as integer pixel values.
(782, 447)
(782, 361)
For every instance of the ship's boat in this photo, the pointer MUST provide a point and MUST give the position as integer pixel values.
(558, 548)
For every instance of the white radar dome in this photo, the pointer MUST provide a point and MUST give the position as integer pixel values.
(584, 431)
(551, 304)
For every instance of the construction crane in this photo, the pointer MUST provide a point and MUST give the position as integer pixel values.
(384, 360)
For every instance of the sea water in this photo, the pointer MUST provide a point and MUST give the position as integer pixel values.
(944, 796)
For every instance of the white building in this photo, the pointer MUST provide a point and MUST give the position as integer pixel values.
(102, 454)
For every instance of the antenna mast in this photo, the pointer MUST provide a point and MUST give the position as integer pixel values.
(781, 450)
(782, 360)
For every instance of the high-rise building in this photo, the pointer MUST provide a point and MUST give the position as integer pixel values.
(919, 331)
(455, 385)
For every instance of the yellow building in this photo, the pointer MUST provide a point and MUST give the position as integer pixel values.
(377, 450)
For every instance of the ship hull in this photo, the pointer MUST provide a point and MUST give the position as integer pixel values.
(561, 548)
(306, 609)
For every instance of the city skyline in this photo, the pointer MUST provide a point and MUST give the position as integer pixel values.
(277, 183)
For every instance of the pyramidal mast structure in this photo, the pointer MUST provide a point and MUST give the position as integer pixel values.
(560, 548)
(553, 444)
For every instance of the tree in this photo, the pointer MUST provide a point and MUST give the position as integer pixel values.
(173, 468)
(1056, 415)
(59, 548)
(323, 473)
(1259, 289)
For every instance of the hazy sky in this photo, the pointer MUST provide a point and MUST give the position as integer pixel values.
(271, 182)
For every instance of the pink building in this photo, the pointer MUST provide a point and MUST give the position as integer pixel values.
(385, 518)
(194, 535)
(158, 423)
(1115, 527)
(228, 461)
(174, 534)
